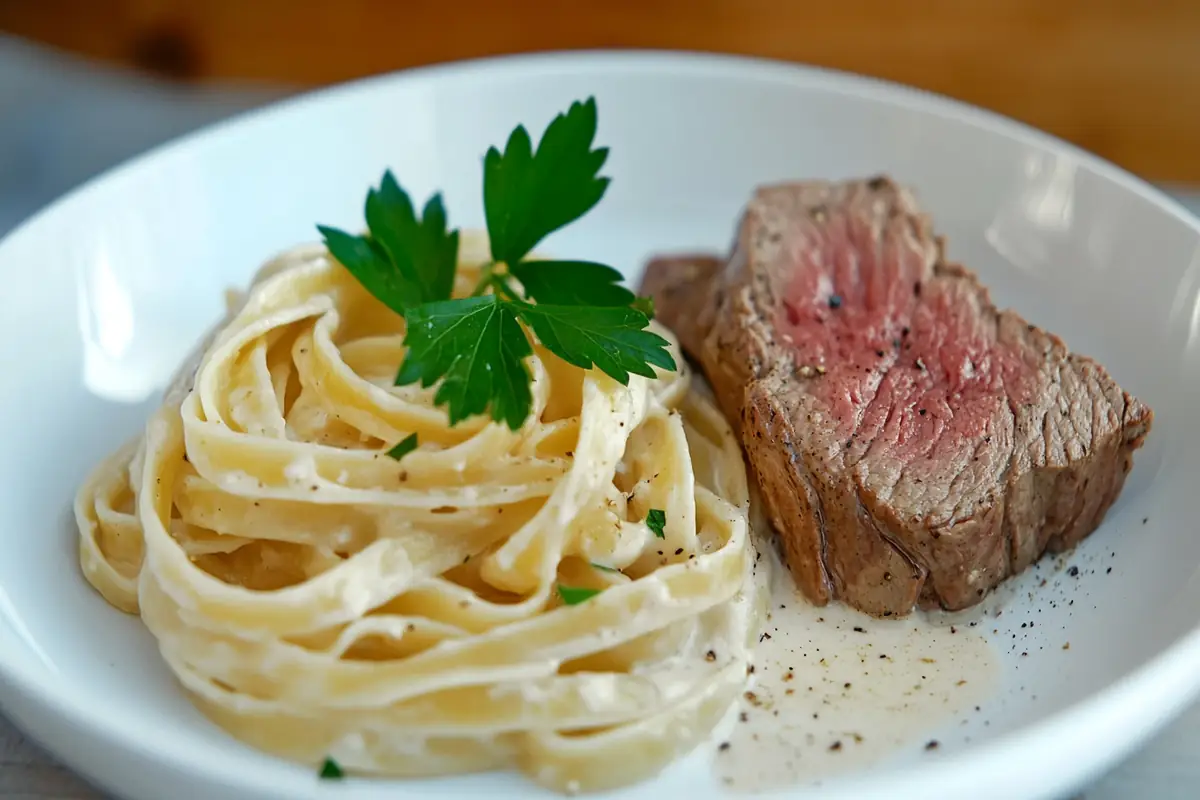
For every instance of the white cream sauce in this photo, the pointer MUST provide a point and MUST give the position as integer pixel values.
(834, 690)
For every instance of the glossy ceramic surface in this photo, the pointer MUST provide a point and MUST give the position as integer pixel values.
(106, 290)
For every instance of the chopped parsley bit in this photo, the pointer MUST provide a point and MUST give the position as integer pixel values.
(404, 447)
(574, 595)
(475, 346)
(330, 770)
(656, 520)
(603, 568)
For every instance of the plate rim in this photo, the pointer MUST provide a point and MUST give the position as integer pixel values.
(1166, 678)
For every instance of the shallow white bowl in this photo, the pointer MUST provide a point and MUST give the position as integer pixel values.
(106, 290)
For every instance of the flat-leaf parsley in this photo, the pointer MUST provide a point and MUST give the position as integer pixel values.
(405, 260)
(476, 346)
(478, 350)
(528, 194)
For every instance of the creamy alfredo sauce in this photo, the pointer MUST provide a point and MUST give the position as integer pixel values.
(833, 689)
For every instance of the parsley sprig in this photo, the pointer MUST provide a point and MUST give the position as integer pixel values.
(476, 346)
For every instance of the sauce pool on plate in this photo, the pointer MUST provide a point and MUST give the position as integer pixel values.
(834, 690)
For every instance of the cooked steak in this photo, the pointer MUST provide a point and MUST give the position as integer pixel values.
(913, 443)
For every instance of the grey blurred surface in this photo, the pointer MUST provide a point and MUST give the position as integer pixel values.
(63, 121)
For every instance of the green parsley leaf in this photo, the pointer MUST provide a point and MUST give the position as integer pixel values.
(528, 194)
(404, 447)
(656, 520)
(403, 261)
(612, 339)
(477, 348)
(573, 595)
(330, 770)
(572, 283)
(603, 568)
(368, 262)
(420, 248)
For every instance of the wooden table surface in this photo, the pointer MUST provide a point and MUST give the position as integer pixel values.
(1118, 77)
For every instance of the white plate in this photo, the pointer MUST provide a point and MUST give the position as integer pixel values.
(105, 291)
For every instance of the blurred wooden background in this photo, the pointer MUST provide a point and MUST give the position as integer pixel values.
(1119, 77)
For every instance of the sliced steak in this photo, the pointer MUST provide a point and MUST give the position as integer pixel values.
(913, 443)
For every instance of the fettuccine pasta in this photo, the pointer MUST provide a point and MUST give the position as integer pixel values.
(318, 598)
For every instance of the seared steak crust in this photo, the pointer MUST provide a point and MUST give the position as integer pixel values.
(913, 443)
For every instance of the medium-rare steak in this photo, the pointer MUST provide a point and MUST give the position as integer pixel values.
(912, 442)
